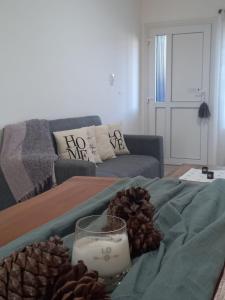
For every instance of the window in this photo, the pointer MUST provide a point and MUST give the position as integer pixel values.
(160, 68)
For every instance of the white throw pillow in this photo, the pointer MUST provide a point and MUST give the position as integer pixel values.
(104, 146)
(73, 144)
(117, 139)
(93, 144)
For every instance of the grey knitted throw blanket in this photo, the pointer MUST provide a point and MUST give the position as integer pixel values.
(27, 158)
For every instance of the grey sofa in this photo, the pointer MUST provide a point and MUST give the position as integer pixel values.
(146, 158)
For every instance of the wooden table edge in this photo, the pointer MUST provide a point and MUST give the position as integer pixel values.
(183, 168)
(28, 215)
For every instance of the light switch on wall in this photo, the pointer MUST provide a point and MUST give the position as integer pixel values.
(112, 79)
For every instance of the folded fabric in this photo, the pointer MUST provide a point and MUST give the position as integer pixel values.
(27, 158)
(187, 265)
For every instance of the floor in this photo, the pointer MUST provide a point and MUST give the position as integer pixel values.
(170, 168)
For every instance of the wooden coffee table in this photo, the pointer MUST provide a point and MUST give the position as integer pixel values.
(24, 217)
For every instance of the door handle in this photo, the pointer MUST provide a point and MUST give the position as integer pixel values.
(149, 100)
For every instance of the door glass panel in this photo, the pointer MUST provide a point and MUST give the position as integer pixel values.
(187, 68)
(160, 68)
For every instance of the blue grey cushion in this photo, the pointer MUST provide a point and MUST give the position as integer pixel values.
(130, 166)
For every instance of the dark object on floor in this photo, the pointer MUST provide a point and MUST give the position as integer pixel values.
(31, 273)
(210, 175)
(78, 283)
(205, 170)
(203, 111)
(134, 207)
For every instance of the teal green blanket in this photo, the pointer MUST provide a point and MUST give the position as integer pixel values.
(191, 256)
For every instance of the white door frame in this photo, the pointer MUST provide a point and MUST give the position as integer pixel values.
(166, 28)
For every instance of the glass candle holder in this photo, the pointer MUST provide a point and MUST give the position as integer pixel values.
(102, 243)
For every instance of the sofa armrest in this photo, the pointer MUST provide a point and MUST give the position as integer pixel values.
(6, 197)
(64, 169)
(146, 145)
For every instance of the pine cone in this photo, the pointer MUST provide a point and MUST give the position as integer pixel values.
(131, 202)
(133, 205)
(31, 272)
(143, 236)
(79, 284)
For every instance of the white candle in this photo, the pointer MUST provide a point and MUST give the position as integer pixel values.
(109, 255)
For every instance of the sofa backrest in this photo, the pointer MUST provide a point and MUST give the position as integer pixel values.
(69, 123)
(72, 123)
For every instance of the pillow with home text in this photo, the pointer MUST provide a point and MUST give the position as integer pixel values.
(73, 144)
(117, 139)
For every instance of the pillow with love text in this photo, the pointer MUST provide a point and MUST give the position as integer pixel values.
(104, 146)
(117, 139)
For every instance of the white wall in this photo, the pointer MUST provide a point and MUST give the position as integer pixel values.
(56, 57)
(173, 10)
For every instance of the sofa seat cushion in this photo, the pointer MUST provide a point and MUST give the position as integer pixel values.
(129, 166)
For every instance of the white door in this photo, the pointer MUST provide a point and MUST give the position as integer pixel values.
(178, 82)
